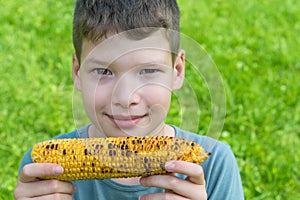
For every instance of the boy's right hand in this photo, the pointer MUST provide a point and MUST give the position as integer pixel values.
(30, 185)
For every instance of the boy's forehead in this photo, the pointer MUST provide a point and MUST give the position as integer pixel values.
(110, 49)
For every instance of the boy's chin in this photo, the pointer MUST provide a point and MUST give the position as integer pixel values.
(136, 131)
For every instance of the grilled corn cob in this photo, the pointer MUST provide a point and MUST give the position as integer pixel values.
(118, 157)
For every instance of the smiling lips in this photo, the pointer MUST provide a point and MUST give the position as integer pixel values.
(127, 121)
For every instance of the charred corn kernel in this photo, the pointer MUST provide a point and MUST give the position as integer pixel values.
(119, 157)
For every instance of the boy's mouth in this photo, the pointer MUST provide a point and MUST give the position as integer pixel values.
(126, 121)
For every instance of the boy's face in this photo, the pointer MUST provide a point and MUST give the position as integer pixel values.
(126, 84)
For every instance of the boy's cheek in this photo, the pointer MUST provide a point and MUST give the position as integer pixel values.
(77, 84)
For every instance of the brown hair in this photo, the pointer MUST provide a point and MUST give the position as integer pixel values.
(94, 19)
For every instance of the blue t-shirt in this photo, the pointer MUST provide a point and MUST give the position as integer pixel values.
(221, 173)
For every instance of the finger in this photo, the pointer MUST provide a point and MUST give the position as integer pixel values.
(167, 190)
(44, 187)
(55, 196)
(193, 171)
(31, 172)
(177, 185)
(158, 196)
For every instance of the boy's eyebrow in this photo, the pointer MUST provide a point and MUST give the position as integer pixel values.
(152, 64)
(96, 61)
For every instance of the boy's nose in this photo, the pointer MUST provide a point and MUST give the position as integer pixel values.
(125, 92)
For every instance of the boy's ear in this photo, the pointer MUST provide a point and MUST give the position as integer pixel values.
(179, 67)
(75, 72)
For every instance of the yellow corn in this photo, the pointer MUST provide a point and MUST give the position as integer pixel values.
(115, 157)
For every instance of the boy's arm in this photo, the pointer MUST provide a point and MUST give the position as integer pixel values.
(223, 176)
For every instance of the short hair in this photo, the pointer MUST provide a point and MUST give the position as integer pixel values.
(94, 19)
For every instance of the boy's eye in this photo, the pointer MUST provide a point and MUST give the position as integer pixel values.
(103, 71)
(149, 71)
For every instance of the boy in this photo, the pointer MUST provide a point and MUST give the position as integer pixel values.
(126, 74)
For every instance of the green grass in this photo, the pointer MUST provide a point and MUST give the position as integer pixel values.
(255, 45)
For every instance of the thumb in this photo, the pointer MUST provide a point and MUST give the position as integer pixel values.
(33, 171)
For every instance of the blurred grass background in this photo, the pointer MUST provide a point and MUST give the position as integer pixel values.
(255, 44)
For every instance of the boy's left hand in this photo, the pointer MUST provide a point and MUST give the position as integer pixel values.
(193, 187)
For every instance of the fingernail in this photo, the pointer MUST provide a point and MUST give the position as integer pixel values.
(58, 170)
(170, 165)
